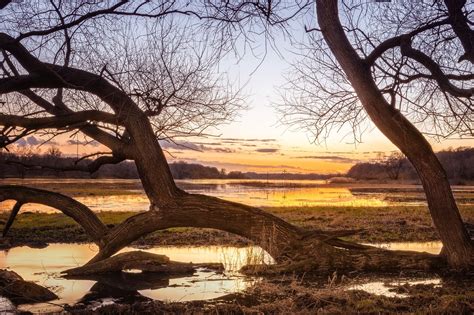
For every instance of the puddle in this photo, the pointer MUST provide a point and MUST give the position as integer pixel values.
(427, 247)
(386, 288)
(43, 266)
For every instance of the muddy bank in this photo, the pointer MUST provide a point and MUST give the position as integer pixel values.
(310, 296)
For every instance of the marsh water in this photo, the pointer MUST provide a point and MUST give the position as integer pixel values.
(44, 265)
(128, 195)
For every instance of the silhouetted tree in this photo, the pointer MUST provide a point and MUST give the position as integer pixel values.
(74, 66)
(400, 64)
(393, 164)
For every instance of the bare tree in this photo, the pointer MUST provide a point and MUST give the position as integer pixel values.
(59, 75)
(393, 164)
(399, 64)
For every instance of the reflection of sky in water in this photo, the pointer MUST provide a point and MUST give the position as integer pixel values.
(386, 288)
(428, 247)
(44, 266)
(126, 195)
(284, 197)
(200, 287)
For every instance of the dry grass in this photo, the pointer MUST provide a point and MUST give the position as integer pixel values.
(292, 295)
(380, 224)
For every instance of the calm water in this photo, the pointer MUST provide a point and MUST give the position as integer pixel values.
(385, 286)
(127, 195)
(44, 266)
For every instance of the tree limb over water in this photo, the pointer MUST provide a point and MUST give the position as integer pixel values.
(81, 69)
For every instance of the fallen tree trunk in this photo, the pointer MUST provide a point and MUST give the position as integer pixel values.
(264, 229)
(321, 258)
(292, 248)
(139, 260)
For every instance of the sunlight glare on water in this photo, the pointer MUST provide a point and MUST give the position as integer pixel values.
(127, 195)
(386, 288)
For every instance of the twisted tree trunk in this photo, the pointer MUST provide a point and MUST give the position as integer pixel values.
(292, 247)
(458, 246)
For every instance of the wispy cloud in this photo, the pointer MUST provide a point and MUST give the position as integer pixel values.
(247, 140)
(334, 158)
(31, 140)
(195, 146)
(267, 150)
(79, 142)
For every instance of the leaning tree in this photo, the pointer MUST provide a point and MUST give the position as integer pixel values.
(401, 65)
(67, 68)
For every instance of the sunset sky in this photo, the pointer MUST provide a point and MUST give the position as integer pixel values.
(256, 141)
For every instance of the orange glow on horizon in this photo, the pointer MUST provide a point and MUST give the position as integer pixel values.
(261, 155)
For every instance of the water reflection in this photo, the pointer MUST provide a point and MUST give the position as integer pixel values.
(45, 265)
(127, 195)
(389, 288)
(427, 247)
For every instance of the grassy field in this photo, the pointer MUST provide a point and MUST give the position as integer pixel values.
(277, 295)
(379, 224)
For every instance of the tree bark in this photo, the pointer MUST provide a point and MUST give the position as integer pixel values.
(146, 262)
(266, 230)
(292, 247)
(443, 208)
(70, 207)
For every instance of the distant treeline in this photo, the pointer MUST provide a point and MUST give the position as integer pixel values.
(49, 164)
(458, 163)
